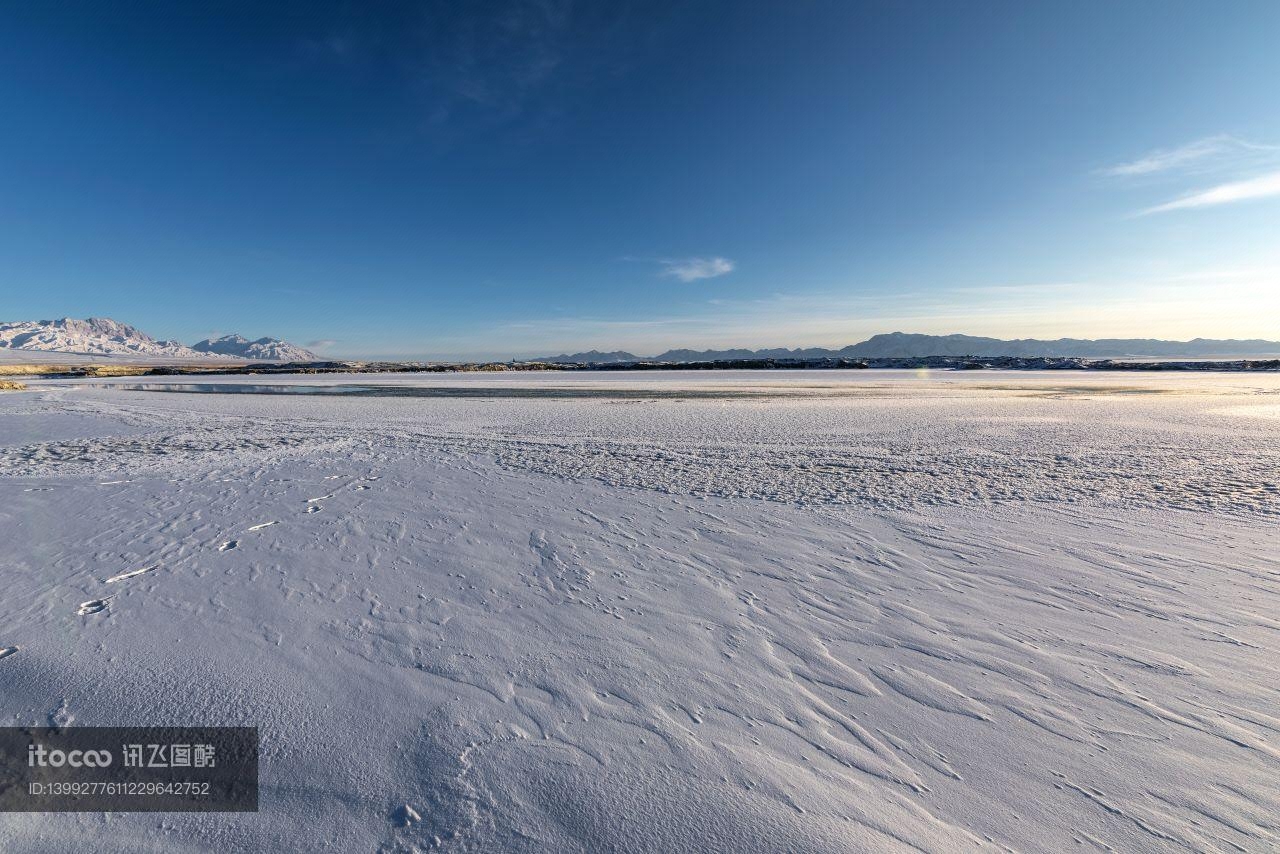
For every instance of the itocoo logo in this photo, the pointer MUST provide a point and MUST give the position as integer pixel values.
(40, 756)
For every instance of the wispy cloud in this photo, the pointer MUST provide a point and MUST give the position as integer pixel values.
(1260, 187)
(1200, 155)
(1244, 170)
(470, 67)
(497, 57)
(322, 343)
(692, 269)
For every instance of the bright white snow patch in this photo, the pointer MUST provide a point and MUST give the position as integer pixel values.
(941, 615)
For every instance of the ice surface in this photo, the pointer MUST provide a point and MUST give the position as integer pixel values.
(882, 612)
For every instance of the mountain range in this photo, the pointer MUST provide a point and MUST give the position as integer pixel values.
(907, 345)
(101, 336)
(263, 349)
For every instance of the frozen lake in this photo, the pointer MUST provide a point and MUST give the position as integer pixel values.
(792, 611)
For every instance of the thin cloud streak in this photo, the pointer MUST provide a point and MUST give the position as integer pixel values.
(693, 269)
(1202, 153)
(1260, 187)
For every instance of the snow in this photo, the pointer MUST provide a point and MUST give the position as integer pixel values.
(96, 336)
(775, 612)
(103, 338)
(263, 349)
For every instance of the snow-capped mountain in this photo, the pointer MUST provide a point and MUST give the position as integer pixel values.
(101, 336)
(97, 336)
(264, 349)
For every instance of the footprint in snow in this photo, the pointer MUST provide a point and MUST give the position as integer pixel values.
(263, 525)
(229, 545)
(321, 498)
(405, 816)
(314, 508)
(61, 716)
(8, 651)
(93, 606)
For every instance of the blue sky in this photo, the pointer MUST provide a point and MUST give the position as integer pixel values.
(519, 178)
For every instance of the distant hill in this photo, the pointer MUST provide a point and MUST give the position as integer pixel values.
(719, 355)
(102, 336)
(904, 344)
(907, 345)
(590, 357)
(263, 349)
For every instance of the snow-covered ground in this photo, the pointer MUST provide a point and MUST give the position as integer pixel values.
(682, 612)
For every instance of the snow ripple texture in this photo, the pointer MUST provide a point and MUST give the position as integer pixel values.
(1089, 444)
(530, 625)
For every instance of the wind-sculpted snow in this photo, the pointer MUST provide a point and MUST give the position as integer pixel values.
(481, 645)
(905, 477)
(977, 443)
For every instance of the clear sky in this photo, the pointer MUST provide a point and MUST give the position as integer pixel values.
(462, 180)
